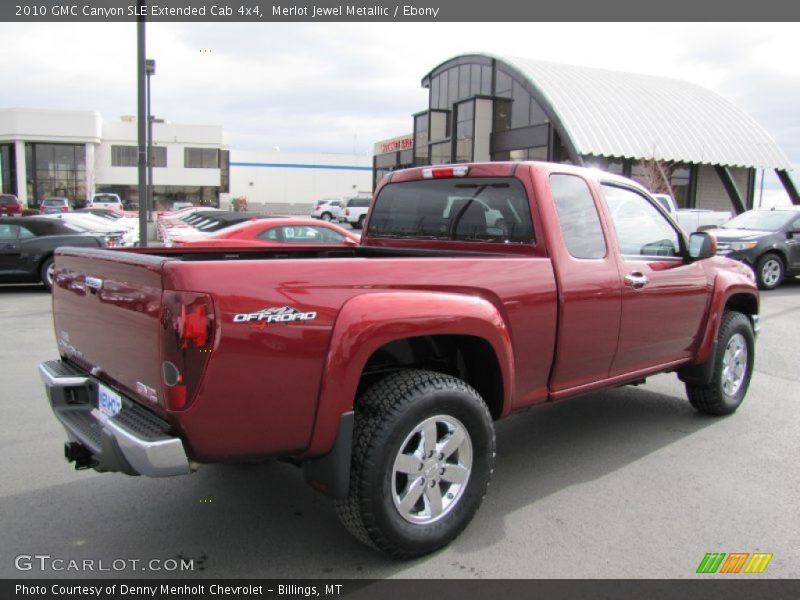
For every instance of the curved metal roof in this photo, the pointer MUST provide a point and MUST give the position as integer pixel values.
(614, 114)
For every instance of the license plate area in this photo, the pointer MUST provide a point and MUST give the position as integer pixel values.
(109, 402)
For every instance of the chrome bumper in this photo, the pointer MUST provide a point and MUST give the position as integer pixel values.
(135, 442)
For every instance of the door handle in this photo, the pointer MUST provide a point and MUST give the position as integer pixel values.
(636, 280)
(9, 247)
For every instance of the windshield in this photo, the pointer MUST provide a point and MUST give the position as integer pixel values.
(761, 220)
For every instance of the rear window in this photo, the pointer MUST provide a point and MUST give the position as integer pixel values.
(106, 198)
(478, 209)
(358, 202)
(8, 200)
(54, 202)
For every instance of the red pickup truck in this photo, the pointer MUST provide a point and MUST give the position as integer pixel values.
(477, 291)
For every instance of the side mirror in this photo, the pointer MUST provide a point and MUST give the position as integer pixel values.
(702, 245)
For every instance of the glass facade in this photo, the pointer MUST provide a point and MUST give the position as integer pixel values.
(465, 131)
(7, 170)
(201, 158)
(55, 170)
(520, 127)
(421, 127)
(128, 156)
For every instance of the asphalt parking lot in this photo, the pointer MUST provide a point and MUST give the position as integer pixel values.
(630, 482)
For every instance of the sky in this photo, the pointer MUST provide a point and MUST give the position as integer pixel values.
(340, 87)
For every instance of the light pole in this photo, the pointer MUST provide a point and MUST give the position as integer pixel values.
(150, 69)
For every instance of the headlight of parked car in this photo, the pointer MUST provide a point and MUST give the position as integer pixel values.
(736, 246)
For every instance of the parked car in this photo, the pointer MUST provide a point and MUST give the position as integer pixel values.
(381, 368)
(54, 205)
(202, 226)
(119, 219)
(354, 211)
(271, 232)
(113, 234)
(327, 210)
(10, 205)
(106, 200)
(768, 241)
(692, 219)
(27, 245)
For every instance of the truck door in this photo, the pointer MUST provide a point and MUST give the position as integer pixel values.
(589, 302)
(663, 298)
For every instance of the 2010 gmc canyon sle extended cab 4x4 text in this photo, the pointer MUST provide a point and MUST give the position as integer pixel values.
(477, 291)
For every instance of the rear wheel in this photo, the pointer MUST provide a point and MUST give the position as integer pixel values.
(769, 271)
(733, 367)
(326, 216)
(361, 220)
(423, 452)
(46, 273)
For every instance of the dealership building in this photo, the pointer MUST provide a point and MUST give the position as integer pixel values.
(481, 107)
(73, 154)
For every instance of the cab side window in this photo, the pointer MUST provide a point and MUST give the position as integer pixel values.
(580, 223)
(641, 229)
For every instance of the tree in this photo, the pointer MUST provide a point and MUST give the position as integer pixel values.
(656, 176)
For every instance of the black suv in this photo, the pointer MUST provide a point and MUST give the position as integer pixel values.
(766, 240)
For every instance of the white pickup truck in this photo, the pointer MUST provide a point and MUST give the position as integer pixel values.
(692, 219)
(106, 200)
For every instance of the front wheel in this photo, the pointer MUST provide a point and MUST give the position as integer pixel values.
(733, 368)
(423, 453)
(46, 273)
(769, 271)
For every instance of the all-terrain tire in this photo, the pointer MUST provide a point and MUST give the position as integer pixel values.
(396, 422)
(733, 368)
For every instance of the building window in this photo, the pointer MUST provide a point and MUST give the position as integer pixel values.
(128, 156)
(56, 170)
(654, 175)
(501, 115)
(465, 128)
(225, 171)
(440, 153)
(421, 139)
(201, 158)
(7, 170)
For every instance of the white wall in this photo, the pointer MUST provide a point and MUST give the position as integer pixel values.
(174, 137)
(307, 177)
(54, 126)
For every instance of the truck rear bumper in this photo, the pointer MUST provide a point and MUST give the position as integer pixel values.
(135, 442)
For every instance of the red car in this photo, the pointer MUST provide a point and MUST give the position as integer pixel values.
(277, 231)
(10, 205)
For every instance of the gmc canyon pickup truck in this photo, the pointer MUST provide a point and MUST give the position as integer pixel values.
(477, 291)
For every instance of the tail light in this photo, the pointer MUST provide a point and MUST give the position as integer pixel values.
(346, 212)
(444, 172)
(187, 339)
(64, 209)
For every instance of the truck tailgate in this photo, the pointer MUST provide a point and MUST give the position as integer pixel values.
(106, 311)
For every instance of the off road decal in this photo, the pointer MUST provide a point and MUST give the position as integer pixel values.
(267, 316)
